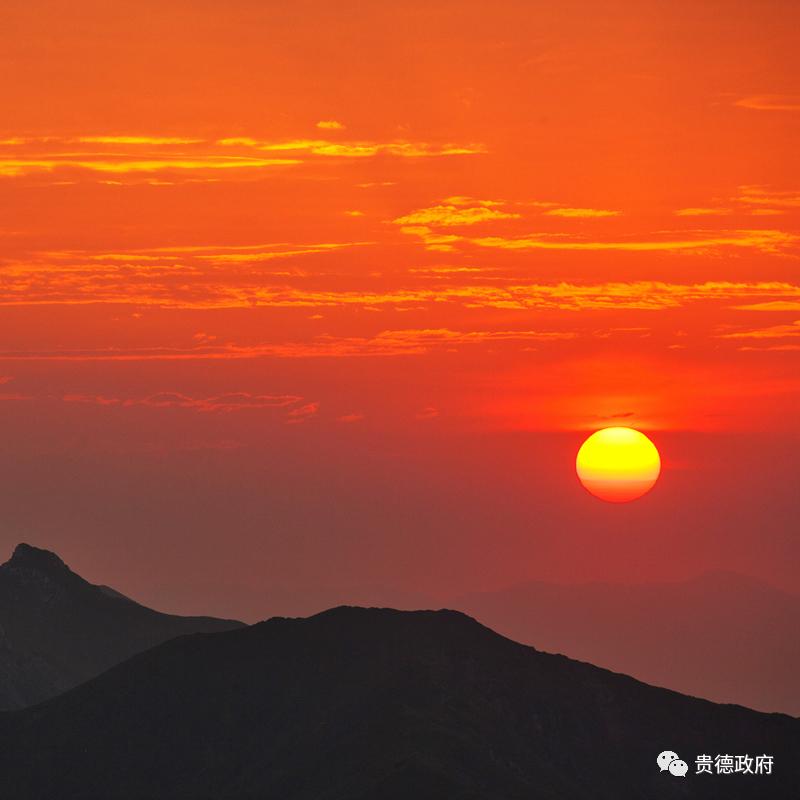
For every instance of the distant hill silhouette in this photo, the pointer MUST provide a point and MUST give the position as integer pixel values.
(57, 630)
(375, 704)
(722, 636)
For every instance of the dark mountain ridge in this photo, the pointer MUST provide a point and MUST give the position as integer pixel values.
(375, 704)
(723, 636)
(58, 630)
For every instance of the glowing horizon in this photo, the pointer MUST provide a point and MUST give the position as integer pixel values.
(307, 291)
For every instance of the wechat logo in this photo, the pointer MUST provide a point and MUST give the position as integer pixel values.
(669, 760)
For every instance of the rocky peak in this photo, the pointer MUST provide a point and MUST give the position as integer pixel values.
(28, 557)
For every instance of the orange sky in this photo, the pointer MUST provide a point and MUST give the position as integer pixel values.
(225, 222)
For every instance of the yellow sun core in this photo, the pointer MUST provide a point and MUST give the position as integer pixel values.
(618, 464)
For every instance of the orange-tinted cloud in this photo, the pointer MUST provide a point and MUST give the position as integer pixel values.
(764, 196)
(146, 140)
(455, 214)
(770, 332)
(225, 403)
(12, 167)
(350, 418)
(200, 277)
(768, 241)
(426, 223)
(134, 154)
(774, 348)
(771, 305)
(386, 343)
(303, 413)
(580, 213)
(703, 212)
(770, 102)
(355, 149)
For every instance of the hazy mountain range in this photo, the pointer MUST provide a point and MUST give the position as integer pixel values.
(721, 636)
(376, 704)
(57, 630)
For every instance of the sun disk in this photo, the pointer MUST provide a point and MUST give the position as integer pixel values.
(618, 464)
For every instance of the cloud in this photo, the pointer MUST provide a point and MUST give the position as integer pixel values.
(425, 339)
(254, 253)
(350, 418)
(224, 403)
(448, 270)
(11, 167)
(640, 295)
(330, 125)
(454, 211)
(652, 296)
(155, 140)
(635, 330)
(14, 397)
(199, 277)
(443, 242)
(541, 204)
(386, 343)
(764, 196)
(125, 155)
(453, 215)
(292, 408)
(466, 200)
(354, 149)
(771, 332)
(110, 275)
(303, 413)
(771, 305)
(753, 200)
(426, 223)
(580, 213)
(767, 241)
(375, 184)
(770, 102)
(702, 212)
(775, 348)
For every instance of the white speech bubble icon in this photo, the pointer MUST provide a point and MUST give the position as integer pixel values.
(666, 758)
(678, 767)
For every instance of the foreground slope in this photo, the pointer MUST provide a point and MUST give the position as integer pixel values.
(57, 630)
(375, 704)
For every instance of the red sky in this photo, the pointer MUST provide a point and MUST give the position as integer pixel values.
(313, 302)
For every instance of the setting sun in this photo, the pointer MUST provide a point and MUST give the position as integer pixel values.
(308, 310)
(618, 464)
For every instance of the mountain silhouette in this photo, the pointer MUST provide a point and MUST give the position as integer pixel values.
(57, 630)
(722, 636)
(377, 704)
